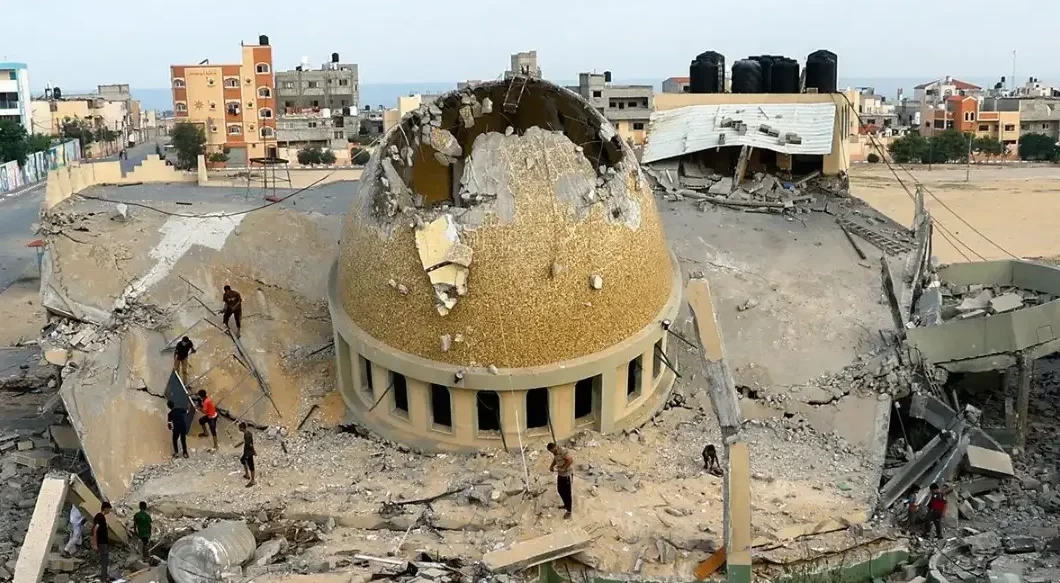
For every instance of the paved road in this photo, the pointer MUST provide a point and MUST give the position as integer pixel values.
(19, 212)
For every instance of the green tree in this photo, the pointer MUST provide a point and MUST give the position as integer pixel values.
(189, 141)
(910, 148)
(106, 135)
(39, 142)
(327, 157)
(360, 156)
(14, 143)
(76, 129)
(949, 146)
(1038, 147)
(309, 155)
(873, 158)
(217, 157)
(988, 146)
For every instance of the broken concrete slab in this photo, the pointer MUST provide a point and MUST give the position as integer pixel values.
(979, 486)
(989, 463)
(65, 438)
(81, 495)
(523, 555)
(984, 542)
(981, 301)
(1006, 303)
(722, 187)
(33, 458)
(38, 542)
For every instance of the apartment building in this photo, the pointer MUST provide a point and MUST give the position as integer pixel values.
(676, 85)
(627, 107)
(965, 114)
(318, 107)
(14, 94)
(235, 104)
(524, 65)
(937, 91)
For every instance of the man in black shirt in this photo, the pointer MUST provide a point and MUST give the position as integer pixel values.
(183, 349)
(233, 307)
(248, 454)
(177, 422)
(101, 541)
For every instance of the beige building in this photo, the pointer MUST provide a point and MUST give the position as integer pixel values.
(480, 299)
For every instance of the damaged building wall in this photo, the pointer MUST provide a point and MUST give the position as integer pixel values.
(503, 230)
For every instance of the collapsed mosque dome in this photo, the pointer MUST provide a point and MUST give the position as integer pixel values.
(504, 225)
(502, 276)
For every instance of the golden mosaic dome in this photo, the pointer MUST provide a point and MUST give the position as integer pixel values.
(503, 225)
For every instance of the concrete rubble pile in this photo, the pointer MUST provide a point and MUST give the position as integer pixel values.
(962, 302)
(760, 192)
(24, 462)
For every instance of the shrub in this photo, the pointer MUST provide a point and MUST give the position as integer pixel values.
(873, 158)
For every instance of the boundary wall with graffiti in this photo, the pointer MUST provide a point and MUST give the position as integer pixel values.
(14, 177)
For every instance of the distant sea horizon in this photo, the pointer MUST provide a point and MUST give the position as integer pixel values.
(386, 94)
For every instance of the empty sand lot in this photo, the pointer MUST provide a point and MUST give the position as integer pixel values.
(1017, 207)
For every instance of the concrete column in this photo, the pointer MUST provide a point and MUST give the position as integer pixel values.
(380, 382)
(1023, 399)
(419, 403)
(38, 541)
(608, 395)
(464, 405)
(738, 514)
(561, 410)
(513, 416)
(344, 367)
(647, 385)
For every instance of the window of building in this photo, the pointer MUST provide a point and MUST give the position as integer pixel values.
(1023, 126)
(178, 83)
(180, 106)
(262, 68)
(537, 408)
(638, 125)
(634, 373)
(585, 392)
(344, 102)
(265, 113)
(1045, 126)
(340, 135)
(213, 106)
(288, 85)
(213, 129)
(316, 103)
(267, 132)
(12, 76)
(311, 124)
(488, 410)
(311, 84)
(949, 124)
(231, 82)
(400, 389)
(232, 107)
(441, 407)
(598, 94)
(250, 105)
(210, 82)
(366, 374)
(984, 128)
(235, 130)
(264, 93)
(344, 82)
(969, 116)
(1010, 127)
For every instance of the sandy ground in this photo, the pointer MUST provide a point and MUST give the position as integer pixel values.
(1013, 206)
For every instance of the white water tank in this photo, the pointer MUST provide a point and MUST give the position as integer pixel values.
(205, 556)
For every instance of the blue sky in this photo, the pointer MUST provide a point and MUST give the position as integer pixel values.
(122, 41)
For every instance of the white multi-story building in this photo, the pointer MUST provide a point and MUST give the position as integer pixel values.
(14, 94)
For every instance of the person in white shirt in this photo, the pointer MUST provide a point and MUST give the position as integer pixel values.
(77, 521)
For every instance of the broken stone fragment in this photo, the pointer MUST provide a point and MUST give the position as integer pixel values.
(487, 105)
(446, 143)
(467, 117)
(402, 289)
(596, 282)
(493, 369)
(434, 109)
(555, 269)
(392, 283)
(460, 254)
(458, 338)
(447, 342)
(747, 305)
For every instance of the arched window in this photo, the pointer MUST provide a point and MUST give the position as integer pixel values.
(235, 130)
(232, 82)
(264, 93)
(262, 68)
(232, 107)
(180, 106)
(265, 113)
(178, 83)
(267, 132)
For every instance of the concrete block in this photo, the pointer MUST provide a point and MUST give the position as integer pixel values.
(980, 485)
(995, 500)
(34, 459)
(523, 555)
(966, 510)
(41, 531)
(61, 564)
(65, 438)
(722, 187)
(984, 542)
(25, 445)
(1006, 303)
(990, 463)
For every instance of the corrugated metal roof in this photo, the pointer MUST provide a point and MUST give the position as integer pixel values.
(698, 127)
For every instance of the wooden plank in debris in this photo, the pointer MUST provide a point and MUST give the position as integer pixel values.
(720, 383)
(790, 533)
(41, 532)
(523, 555)
(989, 463)
(709, 566)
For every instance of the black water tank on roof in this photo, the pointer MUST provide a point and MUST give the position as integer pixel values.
(334, 57)
(766, 63)
(263, 40)
(785, 76)
(57, 93)
(746, 76)
(706, 74)
(822, 71)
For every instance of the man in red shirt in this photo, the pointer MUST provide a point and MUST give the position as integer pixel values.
(209, 417)
(937, 508)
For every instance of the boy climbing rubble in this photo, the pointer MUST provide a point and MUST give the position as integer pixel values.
(181, 352)
(233, 307)
(209, 417)
(248, 455)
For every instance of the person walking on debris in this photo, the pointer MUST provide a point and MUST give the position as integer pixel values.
(710, 460)
(177, 424)
(937, 509)
(209, 417)
(912, 507)
(142, 522)
(233, 307)
(248, 455)
(563, 465)
(183, 349)
(77, 521)
(101, 541)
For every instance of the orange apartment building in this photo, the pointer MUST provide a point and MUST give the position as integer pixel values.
(964, 114)
(234, 104)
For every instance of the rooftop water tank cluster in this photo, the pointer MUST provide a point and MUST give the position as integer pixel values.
(764, 74)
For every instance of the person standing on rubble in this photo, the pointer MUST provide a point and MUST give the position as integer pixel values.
(233, 307)
(177, 424)
(209, 417)
(181, 352)
(142, 522)
(563, 465)
(248, 455)
(101, 541)
(937, 509)
(77, 521)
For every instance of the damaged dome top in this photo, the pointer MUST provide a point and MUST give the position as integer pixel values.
(503, 225)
